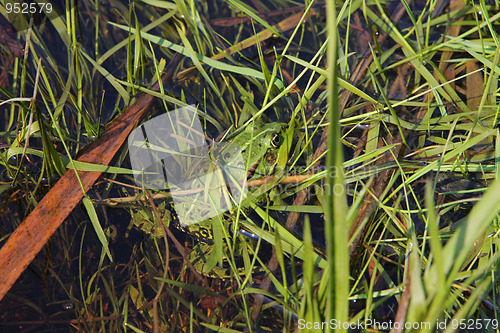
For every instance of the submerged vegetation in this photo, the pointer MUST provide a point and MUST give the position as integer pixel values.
(368, 132)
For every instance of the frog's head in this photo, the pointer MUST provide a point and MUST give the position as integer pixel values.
(257, 140)
(268, 132)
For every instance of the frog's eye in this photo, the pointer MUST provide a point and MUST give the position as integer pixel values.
(276, 140)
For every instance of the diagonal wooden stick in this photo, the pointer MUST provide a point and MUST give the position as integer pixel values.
(29, 238)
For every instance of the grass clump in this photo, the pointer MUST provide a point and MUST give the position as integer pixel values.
(380, 204)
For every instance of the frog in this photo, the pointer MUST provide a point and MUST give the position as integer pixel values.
(257, 144)
(253, 150)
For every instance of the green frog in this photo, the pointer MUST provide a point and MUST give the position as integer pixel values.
(253, 150)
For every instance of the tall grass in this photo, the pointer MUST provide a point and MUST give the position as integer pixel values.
(382, 203)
